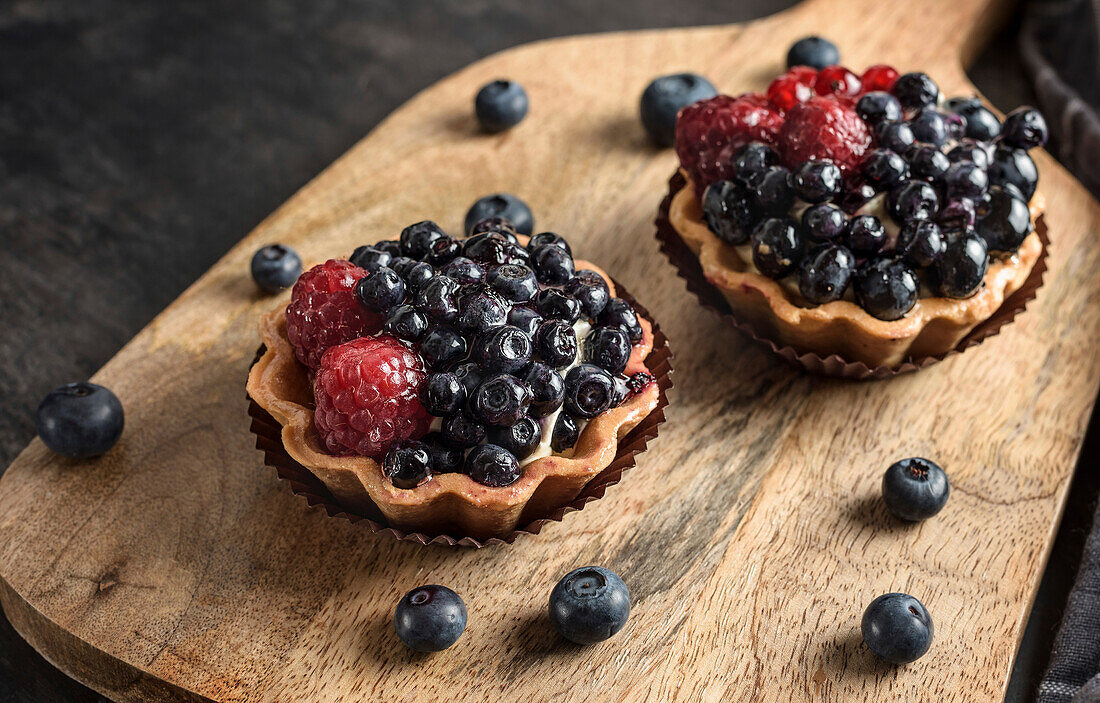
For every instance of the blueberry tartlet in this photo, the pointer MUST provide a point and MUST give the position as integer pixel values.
(460, 386)
(862, 216)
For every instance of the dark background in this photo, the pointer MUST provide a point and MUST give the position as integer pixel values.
(140, 141)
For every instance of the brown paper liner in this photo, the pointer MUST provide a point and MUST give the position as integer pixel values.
(688, 268)
(269, 440)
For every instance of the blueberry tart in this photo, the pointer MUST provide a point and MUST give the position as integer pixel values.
(457, 386)
(858, 216)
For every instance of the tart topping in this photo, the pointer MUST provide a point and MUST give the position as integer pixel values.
(324, 311)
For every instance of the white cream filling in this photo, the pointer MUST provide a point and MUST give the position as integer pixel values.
(583, 329)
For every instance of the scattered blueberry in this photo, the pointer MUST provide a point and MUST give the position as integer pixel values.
(664, 97)
(814, 52)
(79, 420)
(897, 628)
(430, 618)
(500, 105)
(915, 489)
(275, 267)
(502, 205)
(589, 605)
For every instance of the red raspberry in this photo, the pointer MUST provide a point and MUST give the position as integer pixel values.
(879, 77)
(710, 131)
(324, 311)
(787, 91)
(823, 128)
(367, 393)
(838, 81)
(803, 74)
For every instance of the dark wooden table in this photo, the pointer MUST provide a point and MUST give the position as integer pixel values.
(139, 141)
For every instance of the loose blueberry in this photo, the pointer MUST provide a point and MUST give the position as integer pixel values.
(897, 628)
(79, 420)
(442, 346)
(588, 391)
(884, 169)
(886, 288)
(543, 239)
(878, 106)
(481, 311)
(1014, 167)
(608, 348)
(463, 270)
(915, 489)
(589, 605)
(370, 258)
(591, 291)
(921, 243)
(462, 430)
(777, 247)
(825, 273)
(553, 266)
(565, 434)
(965, 180)
(505, 349)
(443, 394)
(408, 465)
(500, 105)
(1005, 221)
(416, 239)
(525, 319)
(751, 161)
(664, 97)
(547, 388)
(430, 618)
(556, 343)
(866, 235)
(913, 200)
(824, 222)
(814, 52)
(502, 205)
(961, 269)
(1024, 128)
(406, 322)
(619, 313)
(493, 466)
(554, 304)
(729, 209)
(514, 282)
(773, 193)
(519, 439)
(915, 90)
(817, 181)
(275, 267)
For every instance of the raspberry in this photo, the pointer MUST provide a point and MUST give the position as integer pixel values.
(803, 74)
(787, 91)
(879, 77)
(367, 393)
(838, 81)
(324, 311)
(824, 129)
(710, 131)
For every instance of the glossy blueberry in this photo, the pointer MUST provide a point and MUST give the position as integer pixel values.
(965, 180)
(878, 106)
(408, 465)
(856, 195)
(470, 374)
(390, 246)
(552, 265)
(370, 258)
(526, 319)
(402, 265)
(555, 304)
(751, 161)
(825, 273)
(443, 250)
(441, 346)
(884, 168)
(920, 242)
(777, 247)
(957, 214)
(897, 628)
(929, 126)
(491, 465)
(962, 103)
(505, 349)
(566, 433)
(406, 322)
(79, 420)
(500, 105)
(547, 388)
(591, 291)
(514, 282)
(589, 605)
(896, 136)
(380, 291)
(912, 200)
(969, 150)
(915, 90)
(608, 348)
(729, 209)
(915, 489)
(494, 249)
(556, 343)
(773, 193)
(1015, 167)
(463, 270)
(824, 222)
(500, 225)
(543, 239)
(275, 267)
(664, 97)
(437, 299)
(501, 205)
(886, 288)
(500, 400)
(462, 430)
(817, 181)
(520, 439)
(1024, 128)
(481, 311)
(928, 163)
(430, 618)
(588, 391)
(981, 123)
(814, 52)
(1005, 221)
(416, 239)
(445, 460)
(443, 394)
(961, 269)
(866, 235)
(620, 313)
(418, 275)
(622, 390)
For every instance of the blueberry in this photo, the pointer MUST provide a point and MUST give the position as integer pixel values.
(502, 205)
(856, 196)
(965, 180)
(408, 465)
(500, 400)
(390, 246)
(462, 430)
(442, 346)
(437, 299)
(622, 390)
(79, 420)
(470, 374)
(505, 349)
(825, 273)
(588, 391)
(620, 313)
(463, 270)
(866, 235)
(878, 106)
(928, 163)
(493, 466)
(430, 618)
(514, 282)
(884, 168)
(981, 123)
(500, 105)
(773, 192)
(565, 434)
(380, 291)
(962, 103)
(416, 239)
(525, 319)
(591, 291)
(543, 239)
(481, 311)
(824, 222)
(817, 181)
(915, 489)
(406, 322)
(445, 460)
(589, 605)
(370, 258)
(547, 388)
(929, 126)
(969, 150)
(896, 136)
(608, 348)
(402, 264)
(552, 265)
(921, 243)
(1015, 167)
(443, 250)
(1024, 128)
(554, 304)
(886, 288)
(664, 97)
(556, 343)
(912, 200)
(777, 247)
(915, 90)
(443, 394)
(418, 275)
(494, 249)
(961, 269)
(500, 225)
(751, 161)
(275, 267)
(897, 628)
(814, 52)
(1005, 221)
(519, 439)
(957, 214)
(729, 209)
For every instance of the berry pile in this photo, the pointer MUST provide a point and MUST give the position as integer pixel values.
(863, 182)
(506, 344)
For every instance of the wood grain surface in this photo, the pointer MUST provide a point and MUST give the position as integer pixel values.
(176, 568)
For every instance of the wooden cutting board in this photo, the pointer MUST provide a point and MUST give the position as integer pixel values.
(751, 534)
